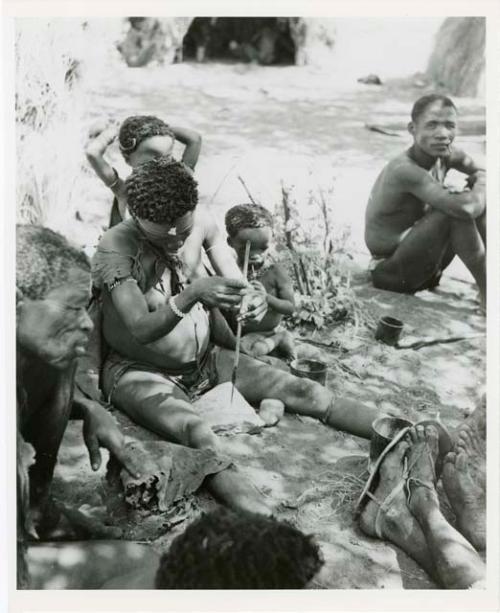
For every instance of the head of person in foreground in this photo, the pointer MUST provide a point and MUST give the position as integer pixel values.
(225, 549)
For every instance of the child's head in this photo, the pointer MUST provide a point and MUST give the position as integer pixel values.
(236, 550)
(144, 137)
(249, 222)
(162, 195)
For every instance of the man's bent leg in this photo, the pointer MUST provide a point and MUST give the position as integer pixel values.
(159, 405)
(467, 243)
(418, 258)
(256, 381)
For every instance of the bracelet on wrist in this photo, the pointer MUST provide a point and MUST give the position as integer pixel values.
(175, 309)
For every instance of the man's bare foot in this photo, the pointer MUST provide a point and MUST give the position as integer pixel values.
(470, 443)
(396, 523)
(422, 456)
(465, 490)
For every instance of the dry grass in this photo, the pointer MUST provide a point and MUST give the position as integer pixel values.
(58, 62)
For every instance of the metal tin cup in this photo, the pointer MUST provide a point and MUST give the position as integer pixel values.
(389, 330)
(384, 429)
(309, 369)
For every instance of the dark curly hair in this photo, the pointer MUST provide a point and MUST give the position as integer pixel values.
(137, 128)
(43, 260)
(247, 216)
(229, 550)
(422, 103)
(161, 190)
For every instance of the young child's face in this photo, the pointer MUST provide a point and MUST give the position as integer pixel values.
(260, 241)
(150, 149)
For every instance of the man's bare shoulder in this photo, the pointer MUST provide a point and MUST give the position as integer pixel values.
(402, 169)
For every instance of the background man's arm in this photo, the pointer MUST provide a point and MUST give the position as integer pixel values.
(461, 161)
(192, 141)
(463, 205)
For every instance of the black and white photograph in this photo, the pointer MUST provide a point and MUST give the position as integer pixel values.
(250, 303)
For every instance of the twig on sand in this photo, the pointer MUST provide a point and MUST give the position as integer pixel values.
(374, 128)
(246, 189)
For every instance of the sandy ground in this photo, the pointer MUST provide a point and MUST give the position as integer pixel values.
(272, 124)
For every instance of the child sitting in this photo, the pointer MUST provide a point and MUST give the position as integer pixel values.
(254, 223)
(141, 138)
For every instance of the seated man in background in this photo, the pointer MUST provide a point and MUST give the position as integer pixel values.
(52, 328)
(159, 360)
(414, 224)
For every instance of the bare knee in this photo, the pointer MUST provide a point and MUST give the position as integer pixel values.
(198, 434)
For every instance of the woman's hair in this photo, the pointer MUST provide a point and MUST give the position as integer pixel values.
(247, 216)
(225, 549)
(161, 191)
(137, 128)
(43, 260)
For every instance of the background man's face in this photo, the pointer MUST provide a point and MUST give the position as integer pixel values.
(435, 130)
(56, 329)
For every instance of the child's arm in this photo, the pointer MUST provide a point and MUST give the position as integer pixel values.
(192, 140)
(95, 150)
(284, 301)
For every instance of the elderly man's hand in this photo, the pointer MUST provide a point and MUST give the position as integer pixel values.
(254, 302)
(101, 430)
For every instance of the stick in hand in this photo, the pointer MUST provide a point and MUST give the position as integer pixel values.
(239, 326)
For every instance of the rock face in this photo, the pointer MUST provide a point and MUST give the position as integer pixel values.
(458, 61)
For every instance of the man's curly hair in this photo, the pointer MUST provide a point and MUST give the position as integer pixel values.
(244, 216)
(137, 128)
(161, 190)
(229, 550)
(43, 260)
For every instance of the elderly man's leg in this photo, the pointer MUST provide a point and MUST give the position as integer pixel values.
(159, 405)
(257, 380)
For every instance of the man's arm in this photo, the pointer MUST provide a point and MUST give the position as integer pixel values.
(463, 205)
(461, 161)
(100, 429)
(192, 141)
(284, 302)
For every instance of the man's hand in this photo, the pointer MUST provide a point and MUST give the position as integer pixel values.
(472, 179)
(219, 292)
(101, 430)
